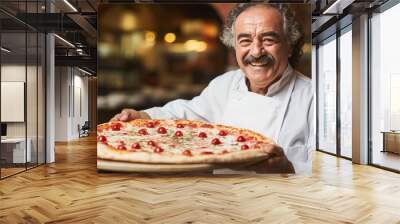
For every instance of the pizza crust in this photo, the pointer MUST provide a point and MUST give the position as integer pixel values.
(107, 152)
(121, 166)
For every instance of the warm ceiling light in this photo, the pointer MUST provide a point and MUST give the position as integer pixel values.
(65, 41)
(129, 22)
(170, 37)
(150, 36)
(5, 50)
(70, 5)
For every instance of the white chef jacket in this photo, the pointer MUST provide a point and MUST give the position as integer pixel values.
(285, 113)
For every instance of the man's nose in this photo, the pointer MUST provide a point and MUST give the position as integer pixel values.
(257, 49)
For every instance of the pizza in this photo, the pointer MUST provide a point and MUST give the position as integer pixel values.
(177, 142)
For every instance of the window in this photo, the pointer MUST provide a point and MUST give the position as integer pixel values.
(385, 89)
(327, 95)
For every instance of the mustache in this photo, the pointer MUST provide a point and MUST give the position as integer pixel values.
(263, 59)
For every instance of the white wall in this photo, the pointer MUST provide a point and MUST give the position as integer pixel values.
(16, 73)
(71, 102)
(33, 127)
(61, 103)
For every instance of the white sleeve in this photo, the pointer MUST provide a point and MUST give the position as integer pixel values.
(205, 107)
(300, 154)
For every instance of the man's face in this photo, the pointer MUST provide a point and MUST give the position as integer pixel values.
(261, 48)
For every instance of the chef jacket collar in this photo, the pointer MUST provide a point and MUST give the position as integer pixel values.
(275, 87)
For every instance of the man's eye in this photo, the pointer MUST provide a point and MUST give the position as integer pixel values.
(244, 41)
(269, 41)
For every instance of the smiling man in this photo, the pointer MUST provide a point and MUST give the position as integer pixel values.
(265, 95)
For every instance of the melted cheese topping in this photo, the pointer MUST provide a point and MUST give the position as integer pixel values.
(171, 144)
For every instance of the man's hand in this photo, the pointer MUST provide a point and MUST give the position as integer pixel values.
(277, 162)
(130, 114)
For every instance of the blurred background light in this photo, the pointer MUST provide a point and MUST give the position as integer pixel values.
(150, 39)
(150, 36)
(170, 37)
(129, 22)
(195, 45)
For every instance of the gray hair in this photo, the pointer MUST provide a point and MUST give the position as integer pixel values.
(292, 28)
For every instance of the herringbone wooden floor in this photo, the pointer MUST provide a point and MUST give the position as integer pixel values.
(71, 191)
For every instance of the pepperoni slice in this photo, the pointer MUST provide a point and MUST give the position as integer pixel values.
(244, 147)
(121, 147)
(241, 139)
(152, 143)
(186, 152)
(180, 126)
(162, 130)
(249, 138)
(222, 133)
(104, 127)
(202, 135)
(178, 133)
(116, 126)
(206, 153)
(135, 146)
(101, 138)
(207, 126)
(158, 150)
(192, 125)
(215, 141)
(150, 125)
(143, 131)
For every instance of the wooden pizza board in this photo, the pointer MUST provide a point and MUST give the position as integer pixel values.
(119, 166)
